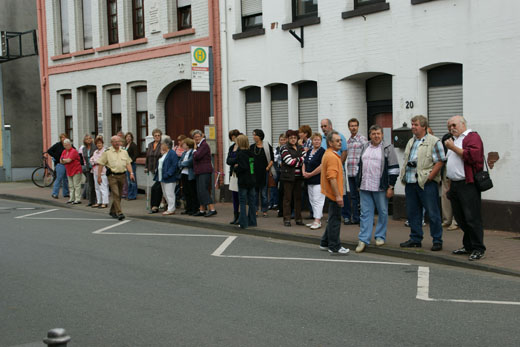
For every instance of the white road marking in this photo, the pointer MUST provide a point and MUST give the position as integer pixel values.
(218, 252)
(152, 234)
(99, 231)
(26, 208)
(59, 218)
(423, 285)
(315, 259)
(35, 213)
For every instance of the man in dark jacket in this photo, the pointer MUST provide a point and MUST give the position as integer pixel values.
(61, 175)
(465, 158)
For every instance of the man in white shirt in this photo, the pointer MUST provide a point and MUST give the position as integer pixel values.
(464, 158)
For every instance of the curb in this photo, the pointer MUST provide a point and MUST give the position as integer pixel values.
(386, 251)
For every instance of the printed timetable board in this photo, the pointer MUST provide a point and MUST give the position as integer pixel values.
(200, 69)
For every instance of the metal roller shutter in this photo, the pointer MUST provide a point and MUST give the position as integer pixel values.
(279, 119)
(308, 112)
(443, 103)
(250, 7)
(253, 118)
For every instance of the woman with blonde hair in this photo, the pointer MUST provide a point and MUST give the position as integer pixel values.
(244, 169)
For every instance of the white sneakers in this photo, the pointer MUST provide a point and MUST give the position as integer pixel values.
(360, 247)
(315, 226)
(379, 242)
(341, 251)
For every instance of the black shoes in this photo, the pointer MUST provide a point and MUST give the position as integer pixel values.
(476, 255)
(287, 223)
(460, 251)
(411, 244)
(113, 215)
(121, 216)
(347, 222)
(198, 214)
(437, 247)
(210, 213)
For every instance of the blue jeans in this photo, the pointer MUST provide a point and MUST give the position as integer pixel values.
(132, 185)
(354, 198)
(330, 237)
(262, 191)
(345, 210)
(369, 202)
(61, 178)
(416, 200)
(247, 195)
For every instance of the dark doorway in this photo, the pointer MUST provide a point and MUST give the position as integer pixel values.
(186, 110)
(379, 104)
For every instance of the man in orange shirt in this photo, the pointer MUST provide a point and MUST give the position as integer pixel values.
(332, 187)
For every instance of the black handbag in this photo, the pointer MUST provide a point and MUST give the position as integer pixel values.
(483, 180)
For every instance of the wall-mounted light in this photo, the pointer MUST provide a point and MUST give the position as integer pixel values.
(152, 116)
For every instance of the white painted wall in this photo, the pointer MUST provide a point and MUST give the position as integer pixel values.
(482, 35)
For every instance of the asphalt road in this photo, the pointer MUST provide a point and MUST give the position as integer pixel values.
(136, 284)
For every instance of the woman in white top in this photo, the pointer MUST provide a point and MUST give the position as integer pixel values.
(101, 189)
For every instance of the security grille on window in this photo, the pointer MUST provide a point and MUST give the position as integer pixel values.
(279, 111)
(183, 14)
(113, 36)
(138, 18)
(444, 96)
(253, 111)
(115, 101)
(67, 107)
(251, 14)
(361, 3)
(142, 118)
(87, 23)
(64, 23)
(308, 104)
(304, 9)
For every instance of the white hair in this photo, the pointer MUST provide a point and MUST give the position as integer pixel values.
(67, 141)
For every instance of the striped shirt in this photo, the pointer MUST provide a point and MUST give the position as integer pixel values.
(289, 160)
(437, 155)
(354, 144)
(372, 168)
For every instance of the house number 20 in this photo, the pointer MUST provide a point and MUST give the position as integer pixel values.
(409, 105)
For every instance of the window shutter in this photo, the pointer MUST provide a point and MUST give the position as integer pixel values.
(116, 103)
(443, 103)
(183, 3)
(68, 107)
(141, 104)
(308, 112)
(279, 119)
(250, 7)
(253, 119)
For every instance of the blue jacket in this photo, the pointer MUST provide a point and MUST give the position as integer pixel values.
(188, 164)
(169, 168)
(311, 165)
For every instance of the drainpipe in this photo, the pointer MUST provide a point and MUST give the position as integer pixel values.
(224, 78)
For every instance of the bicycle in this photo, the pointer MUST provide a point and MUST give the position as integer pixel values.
(44, 175)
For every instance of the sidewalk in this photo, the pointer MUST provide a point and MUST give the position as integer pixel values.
(502, 255)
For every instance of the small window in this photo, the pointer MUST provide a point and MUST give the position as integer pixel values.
(113, 36)
(115, 101)
(138, 18)
(251, 14)
(67, 108)
(141, 117)
(87, 23)
(304, 9)
(183, 14)
(64, 23)
(360, 3)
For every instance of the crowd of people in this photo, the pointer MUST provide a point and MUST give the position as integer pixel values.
(306, 170)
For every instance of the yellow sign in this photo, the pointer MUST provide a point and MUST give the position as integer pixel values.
(212, 134)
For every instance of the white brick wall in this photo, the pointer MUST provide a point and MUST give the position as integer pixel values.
(340, 54)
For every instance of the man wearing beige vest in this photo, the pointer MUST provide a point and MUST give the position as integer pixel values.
(423, 159)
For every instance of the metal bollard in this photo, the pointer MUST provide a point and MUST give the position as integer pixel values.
(57, 338)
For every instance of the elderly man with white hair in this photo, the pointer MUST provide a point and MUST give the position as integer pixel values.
(117, 162)
(465, 158)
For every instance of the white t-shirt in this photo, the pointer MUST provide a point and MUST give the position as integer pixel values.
(455, 164)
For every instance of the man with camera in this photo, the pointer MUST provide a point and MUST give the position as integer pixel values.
(465, 157)
(424, 157)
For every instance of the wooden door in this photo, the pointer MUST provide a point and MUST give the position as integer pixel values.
(186, 110)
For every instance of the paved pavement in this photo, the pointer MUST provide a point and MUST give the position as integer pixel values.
(502, 256)
(145, 283)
